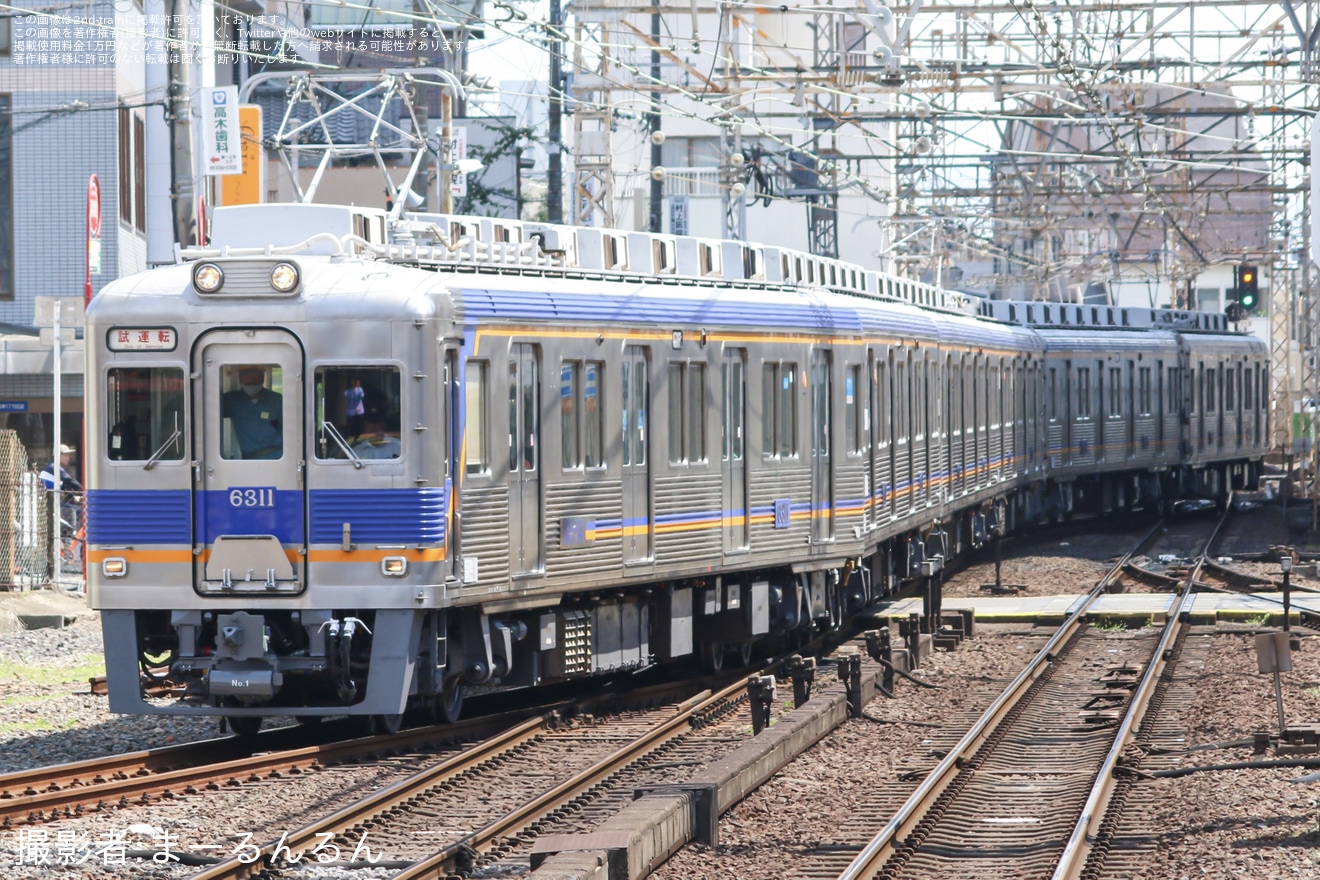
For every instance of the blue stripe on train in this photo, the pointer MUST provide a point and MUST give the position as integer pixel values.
(395, 516)
(139, 516)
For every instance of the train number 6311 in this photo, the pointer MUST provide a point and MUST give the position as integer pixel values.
(252, 496)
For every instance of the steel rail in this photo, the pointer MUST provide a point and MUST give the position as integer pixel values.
(298, 843)
(868, 862)
(379, 802)
(442, 863)
(1075, 853)
(135, 778)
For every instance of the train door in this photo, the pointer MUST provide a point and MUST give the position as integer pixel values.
(524, 459)
(1066, 412)
(250, 531)
(1159, 408)
(638, 530)
(902, 455)
(822, 435)
(953, 424)
(453, 443)
(857, 425)
(882, 467)
(733, 384)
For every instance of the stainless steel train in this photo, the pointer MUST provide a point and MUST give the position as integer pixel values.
(345, 462)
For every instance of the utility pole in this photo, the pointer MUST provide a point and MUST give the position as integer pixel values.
(447, 156)
(554, 200)
(657, 138)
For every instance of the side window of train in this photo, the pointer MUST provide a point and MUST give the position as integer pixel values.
(1171, 391)
(476, 421)
(1083, 392)
(779, 410)
(854, 409)
(144, 413)
(1143, 390)
(581, 424)
(358, 412)
(1052, 398)
(687, 412)
(1115, 392)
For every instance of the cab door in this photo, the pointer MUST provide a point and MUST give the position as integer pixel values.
(249, 463)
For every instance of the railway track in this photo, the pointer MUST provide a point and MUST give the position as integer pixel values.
(1022, 794)
(490, 796)
(64, 791)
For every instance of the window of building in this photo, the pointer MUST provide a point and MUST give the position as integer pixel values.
(358, 410)
(125, 165)
(779, 410)
(144, 413)
(132, 170)
(476, 434)
(687, 412)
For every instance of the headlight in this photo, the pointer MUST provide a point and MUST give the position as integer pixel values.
(284, 277)
(208, 278)
(114, 567)
(394, 566)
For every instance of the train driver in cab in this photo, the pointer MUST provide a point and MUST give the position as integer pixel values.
(377, 440)
(255, 412)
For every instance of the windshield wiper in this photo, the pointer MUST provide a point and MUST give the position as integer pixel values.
(329, 428)
(155, 456)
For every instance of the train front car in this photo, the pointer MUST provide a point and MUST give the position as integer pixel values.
(269, 485)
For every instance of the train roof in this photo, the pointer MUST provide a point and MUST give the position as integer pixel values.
(340, 287)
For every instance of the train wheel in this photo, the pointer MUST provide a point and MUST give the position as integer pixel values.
(745, 654)
(245, 726)
(386, 723)
(450, 703)
(712, 657)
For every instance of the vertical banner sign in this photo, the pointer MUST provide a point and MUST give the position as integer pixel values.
(246, 188)
(678, 215)
(93, 234)
(458, 180)
(220, 131)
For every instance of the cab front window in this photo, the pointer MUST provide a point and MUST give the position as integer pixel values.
(144, 413)
(358, 413)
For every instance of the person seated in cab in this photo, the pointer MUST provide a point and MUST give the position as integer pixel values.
(255, 412)
(377, 442)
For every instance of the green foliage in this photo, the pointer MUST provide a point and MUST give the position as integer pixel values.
(483, 200)
(83, 668)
